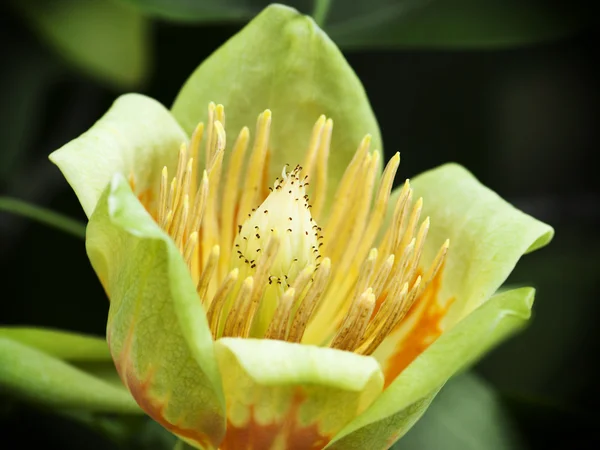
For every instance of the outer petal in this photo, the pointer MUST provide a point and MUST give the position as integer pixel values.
(487, 235)
(157, 329)
(136, 136)
(282, 61)
(291, 396)
(407, 398)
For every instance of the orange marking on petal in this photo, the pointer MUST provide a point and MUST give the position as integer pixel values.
(427, 313)
(254, 436)
(140, 390)
(146, 197)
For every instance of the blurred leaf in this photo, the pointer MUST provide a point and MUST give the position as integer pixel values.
(36, 377)
(152, 436)
(105, 38)
(43, 215)
(555, 359)
(24, 79)
(61, 344)
(466, 415)
(199, 11)
(449, 24)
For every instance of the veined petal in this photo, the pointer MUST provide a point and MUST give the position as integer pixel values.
(282, 61)
(487, 237)
(157, 329)
(409, 395)
(283, 395)
(137, 136)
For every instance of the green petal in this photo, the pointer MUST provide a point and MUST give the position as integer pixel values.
(282, 61)
(137, 135)
(407, 398)
(282, 392)
(37, 377)
(61, 344)
(102, 37)
(157, 329)
(487, 235)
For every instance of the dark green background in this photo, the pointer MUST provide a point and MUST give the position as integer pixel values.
(523, 119)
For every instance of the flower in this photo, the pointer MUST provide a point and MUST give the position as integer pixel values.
(287, 317)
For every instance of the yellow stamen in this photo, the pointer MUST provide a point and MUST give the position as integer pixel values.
(320, 191)
(265, 268)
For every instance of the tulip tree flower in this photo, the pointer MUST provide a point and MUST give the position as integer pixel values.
(268, 289)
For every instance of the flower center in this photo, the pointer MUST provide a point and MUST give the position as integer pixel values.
(285, 213)
(262, 265)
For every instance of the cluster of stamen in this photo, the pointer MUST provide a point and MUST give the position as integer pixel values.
(262, 264)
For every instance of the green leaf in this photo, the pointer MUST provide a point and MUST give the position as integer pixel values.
(157, 329)
(283, 62)
(136, 135)
(199, 11)
(450, 24)
(466, 415)
(104, 38)
(23, 66)
(31, 375)
(291, 388)
(60, 344)
(487, 235)
(43, 215)
(409, 395)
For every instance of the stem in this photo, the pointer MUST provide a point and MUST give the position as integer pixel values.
(321, 10)
(43, 215)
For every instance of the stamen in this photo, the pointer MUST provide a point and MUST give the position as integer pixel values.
(162, 202)
(181, 222)
(308, 305)
(190, 248)
(382, 275)
(195, 152)
(207, 273)
(291, 290)
(278, 326)
(230, 196)
(355, 322)
(313, 147)
(235, 318)
(216, 306)
(261, 276)
(379, 210)
(377, 335)
(200, 203)
(255, 166)
(320, 191)
(437, 263)
(366, 271)
(340, 202)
